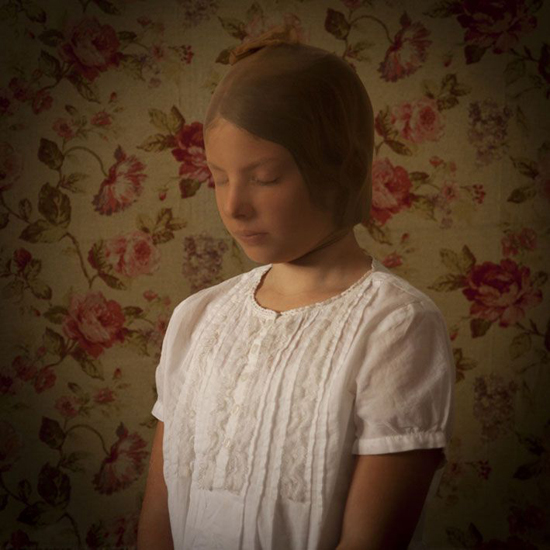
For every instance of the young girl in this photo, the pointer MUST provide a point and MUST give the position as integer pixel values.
(305, 404)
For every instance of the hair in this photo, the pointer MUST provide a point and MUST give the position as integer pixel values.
(314, 104)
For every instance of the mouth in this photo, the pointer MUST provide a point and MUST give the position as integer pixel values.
(250, 237)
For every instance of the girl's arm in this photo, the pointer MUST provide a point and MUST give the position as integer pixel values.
(154, 522)
(385, 499)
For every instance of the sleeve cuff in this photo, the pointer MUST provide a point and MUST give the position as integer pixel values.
(158, 411)
(399, 443)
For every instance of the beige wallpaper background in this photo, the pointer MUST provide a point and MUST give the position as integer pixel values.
(108, 221)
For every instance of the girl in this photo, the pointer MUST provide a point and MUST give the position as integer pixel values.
(306, 403)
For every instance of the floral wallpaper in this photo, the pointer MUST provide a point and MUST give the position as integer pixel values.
(108, 221)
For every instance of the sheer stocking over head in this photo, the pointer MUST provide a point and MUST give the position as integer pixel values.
(314, 104)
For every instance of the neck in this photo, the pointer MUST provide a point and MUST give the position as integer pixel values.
(334, 264)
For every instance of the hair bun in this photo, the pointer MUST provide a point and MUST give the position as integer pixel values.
(281, 34)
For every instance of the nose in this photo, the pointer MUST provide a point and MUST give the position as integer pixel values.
(236, 201)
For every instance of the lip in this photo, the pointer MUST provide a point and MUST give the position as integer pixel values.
(250, 237)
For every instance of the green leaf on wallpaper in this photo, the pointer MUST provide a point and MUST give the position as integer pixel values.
(446, 102)
(33, 11)
(357, 50)
(49, 65)
(157, 143)
(50, 154)
(126, 37)
(91, 367)
(54, 486)
(137, 340)
(474, 53)
(132, 312)
(14, 289)
(176, 121)
(520, 345)
(56, 314)
(42, 231)
(159, 119)
(86, 89)
(70, 182)
(418, 177)
(378, 233)
(51, 37)
(233, 26)
(40, 289)
(53, 342)
(521, 194)
(337, 24)
(528, 470)
(71, 461)
(160, 237)
(54, 205)
(424, 205)
(40, 514)
(525, 166)
(78, 391)
(445, 8)
(24, 490)
(448, 282)
(514, 70)
(4, 219)
(145, 223)
(532, 443)
(539, 279)
(188, 187)
(112, 281)
(51, 433)
(479, 327)
(398, 147)
(107, 7)
(255, 10)
(25, 209)
(456, 263)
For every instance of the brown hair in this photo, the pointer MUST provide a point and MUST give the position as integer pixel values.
(312, 103)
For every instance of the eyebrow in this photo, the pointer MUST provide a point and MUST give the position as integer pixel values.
(248, 166)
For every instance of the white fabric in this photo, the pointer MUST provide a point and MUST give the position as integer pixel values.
(263, 411)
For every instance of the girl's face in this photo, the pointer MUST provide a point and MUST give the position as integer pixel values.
(260, 189)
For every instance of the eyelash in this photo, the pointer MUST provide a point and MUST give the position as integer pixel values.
(261, 182)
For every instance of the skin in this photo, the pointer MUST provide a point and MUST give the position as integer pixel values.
(387, 491)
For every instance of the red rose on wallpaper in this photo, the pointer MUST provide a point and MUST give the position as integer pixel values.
(10, 446)
(496, 23)
(190, 152)
(45, 379)
(391, 190)
(418, 121)
(122, 186)
(96, 323)
(407, 52)
(10, 166)
(125, 463)
(133, 254)
(103, 396)
(501, 292)
(91, 47)
(67, 406)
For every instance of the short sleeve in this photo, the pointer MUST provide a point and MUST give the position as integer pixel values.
(162, 367)
(405, 383)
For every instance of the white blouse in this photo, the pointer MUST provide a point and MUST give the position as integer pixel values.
(263, 411)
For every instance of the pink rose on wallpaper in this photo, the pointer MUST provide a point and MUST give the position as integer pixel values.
(102, 118)
(202, 260)
(10, 166)
(103, 396)
(496, 23)
(501, 292)
(125, 463)
(45, 379)
(122, 186)
(67, 406)
(391, 190)
(24, 368)
(91, 47)
(96, 323)
(64, 128)
(418, 121)
(11, 445)
(407, 52)
(190, 152)
(513, 243)
(392, 260)
(119, 532)
(42, 101)
(133, 254)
